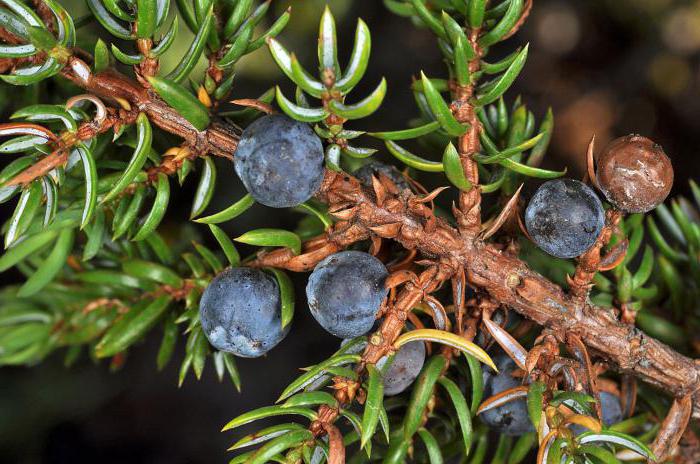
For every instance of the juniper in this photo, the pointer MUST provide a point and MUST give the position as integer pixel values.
(394, 267)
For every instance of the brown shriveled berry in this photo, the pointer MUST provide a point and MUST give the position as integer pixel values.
(634, 174)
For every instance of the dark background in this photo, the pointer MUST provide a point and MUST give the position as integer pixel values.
(606, 67)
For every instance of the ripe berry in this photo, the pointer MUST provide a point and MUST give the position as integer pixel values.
(373, 168)
(564, 217)
(280, 161)
(404, 369)
(240, 312)
(345, 291)
(634, 174)
(611, 407)
(511, 418)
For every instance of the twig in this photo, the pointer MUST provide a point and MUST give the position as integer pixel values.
(469, 209)
(672, 428)
(510, 282)
(40, 168)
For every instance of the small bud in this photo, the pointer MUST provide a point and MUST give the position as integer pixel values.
(203, 96)
(634, 174)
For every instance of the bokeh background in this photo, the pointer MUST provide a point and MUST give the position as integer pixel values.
(606, 67)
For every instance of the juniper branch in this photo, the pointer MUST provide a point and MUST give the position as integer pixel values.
(449, 250)
(469, 213)
(506, 279)
(219, 139)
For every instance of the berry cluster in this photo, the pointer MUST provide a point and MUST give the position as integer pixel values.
(434, 285)
(565, 216)
(280, 161)
(240, 310)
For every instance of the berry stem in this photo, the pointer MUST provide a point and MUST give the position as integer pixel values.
(381, 343)
(591, 261)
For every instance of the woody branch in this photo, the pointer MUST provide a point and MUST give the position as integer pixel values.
(125, 93)
(505, 278)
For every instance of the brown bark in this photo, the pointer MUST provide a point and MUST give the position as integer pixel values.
(218, 139)
(672, 428)
(626, 348)
(510, 282)
(469, 210)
